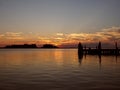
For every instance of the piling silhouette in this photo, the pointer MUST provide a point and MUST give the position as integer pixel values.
(80, 52)
(99, 48)
(80, 48)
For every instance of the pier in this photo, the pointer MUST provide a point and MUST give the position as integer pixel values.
(98, 50)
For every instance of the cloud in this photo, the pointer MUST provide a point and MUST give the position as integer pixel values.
(107, 35)
(59, 34)
(1, 35)
(112, 33)
(112, 29)
(13, 35)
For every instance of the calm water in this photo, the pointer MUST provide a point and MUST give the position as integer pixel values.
(57, 69)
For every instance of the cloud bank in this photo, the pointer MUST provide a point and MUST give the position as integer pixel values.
(107, 36)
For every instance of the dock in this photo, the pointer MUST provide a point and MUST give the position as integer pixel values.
(98, 50)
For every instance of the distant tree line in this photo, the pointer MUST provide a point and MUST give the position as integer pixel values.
(22, 46)
(31, 46)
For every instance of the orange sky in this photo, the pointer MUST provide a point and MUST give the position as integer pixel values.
(108, 35)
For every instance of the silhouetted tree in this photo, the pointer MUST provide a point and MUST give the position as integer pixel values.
(49, 46)
(22, 46)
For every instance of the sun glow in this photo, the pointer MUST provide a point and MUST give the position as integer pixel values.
(108, 35)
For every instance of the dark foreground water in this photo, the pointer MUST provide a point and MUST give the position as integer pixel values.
(57, 69)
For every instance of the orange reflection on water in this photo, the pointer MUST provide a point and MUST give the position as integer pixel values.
(52, 57)
(10, 58)
(58, 56)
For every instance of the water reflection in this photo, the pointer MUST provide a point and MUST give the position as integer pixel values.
(116, 58)
(57, 70)
(99, 56)
(80, 57)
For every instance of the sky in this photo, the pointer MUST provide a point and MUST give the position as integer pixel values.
(61, 22)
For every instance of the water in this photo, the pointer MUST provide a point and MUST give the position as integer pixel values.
(57, 69)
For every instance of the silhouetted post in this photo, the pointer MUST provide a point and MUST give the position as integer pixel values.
(80, 52)
(116, 48)
(99, 48)
(80, 49)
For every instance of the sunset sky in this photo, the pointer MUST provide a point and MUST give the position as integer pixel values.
(60, 22)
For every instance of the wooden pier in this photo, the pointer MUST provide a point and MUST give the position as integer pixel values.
(102, 51)
(98, 50)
